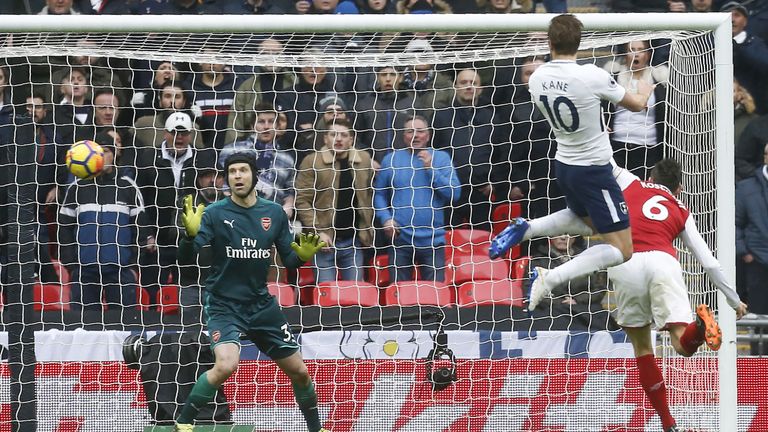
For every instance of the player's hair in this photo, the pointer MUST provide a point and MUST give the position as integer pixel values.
(106, 141)
(410, 119)
(667, 172)
(185, 91)
(415, 117)
(624, 48)
(109, 91)
(341, 122)
(39, 94)
(263, 107)
(565, 34)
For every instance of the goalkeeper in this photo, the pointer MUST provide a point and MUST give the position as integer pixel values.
(241, 231)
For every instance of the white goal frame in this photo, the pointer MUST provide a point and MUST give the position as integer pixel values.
(718, 23)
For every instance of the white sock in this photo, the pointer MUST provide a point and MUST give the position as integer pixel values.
(558, 223)
(596, 258)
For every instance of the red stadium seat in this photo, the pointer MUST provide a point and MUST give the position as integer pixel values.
(465, 268)
(503, 214)
(284, 293)
(520, 269)
(169, 299)
(419, 293)
(51, 297)
(346, 293)
(501, 217)
(467, 242)
(143, 299)
(490, 292)
(306, 275)
(61, 271)
(305, 281)
(378, 273)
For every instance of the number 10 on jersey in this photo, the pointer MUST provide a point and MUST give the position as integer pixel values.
(553, 113)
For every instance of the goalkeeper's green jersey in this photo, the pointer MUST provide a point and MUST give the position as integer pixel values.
(241, 241)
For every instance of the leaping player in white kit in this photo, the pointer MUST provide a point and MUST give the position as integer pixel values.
(649, 287)
(569, 96)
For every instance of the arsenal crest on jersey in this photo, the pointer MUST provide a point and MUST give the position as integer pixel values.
(266, 222)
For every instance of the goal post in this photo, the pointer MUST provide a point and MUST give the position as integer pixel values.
(726, 211)
(469, 38)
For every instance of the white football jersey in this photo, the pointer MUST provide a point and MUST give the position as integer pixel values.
(569, 95)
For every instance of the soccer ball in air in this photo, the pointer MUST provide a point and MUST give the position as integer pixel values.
(85, 159)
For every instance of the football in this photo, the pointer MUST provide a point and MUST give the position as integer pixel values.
(85, 159)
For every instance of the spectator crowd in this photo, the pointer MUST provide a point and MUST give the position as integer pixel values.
(384, 158)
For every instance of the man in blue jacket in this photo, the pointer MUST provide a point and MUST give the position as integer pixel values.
(98, 231)
(752, 234)
(412, 189)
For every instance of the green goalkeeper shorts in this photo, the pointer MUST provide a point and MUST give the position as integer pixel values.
(263, 323)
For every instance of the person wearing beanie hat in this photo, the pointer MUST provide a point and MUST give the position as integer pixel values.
(241, 232)
(732, 6)
(331, 109)
(432, 89)
(331, 99)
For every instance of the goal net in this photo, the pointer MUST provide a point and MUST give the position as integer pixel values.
(95, 294)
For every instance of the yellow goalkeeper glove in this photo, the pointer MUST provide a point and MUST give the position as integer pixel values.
(308, 246)
(191, 216)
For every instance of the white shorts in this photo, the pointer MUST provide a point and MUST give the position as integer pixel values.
(650, 289)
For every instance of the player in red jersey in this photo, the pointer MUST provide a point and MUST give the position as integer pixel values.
(650, 287)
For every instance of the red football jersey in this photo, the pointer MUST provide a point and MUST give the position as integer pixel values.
(655, 215)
